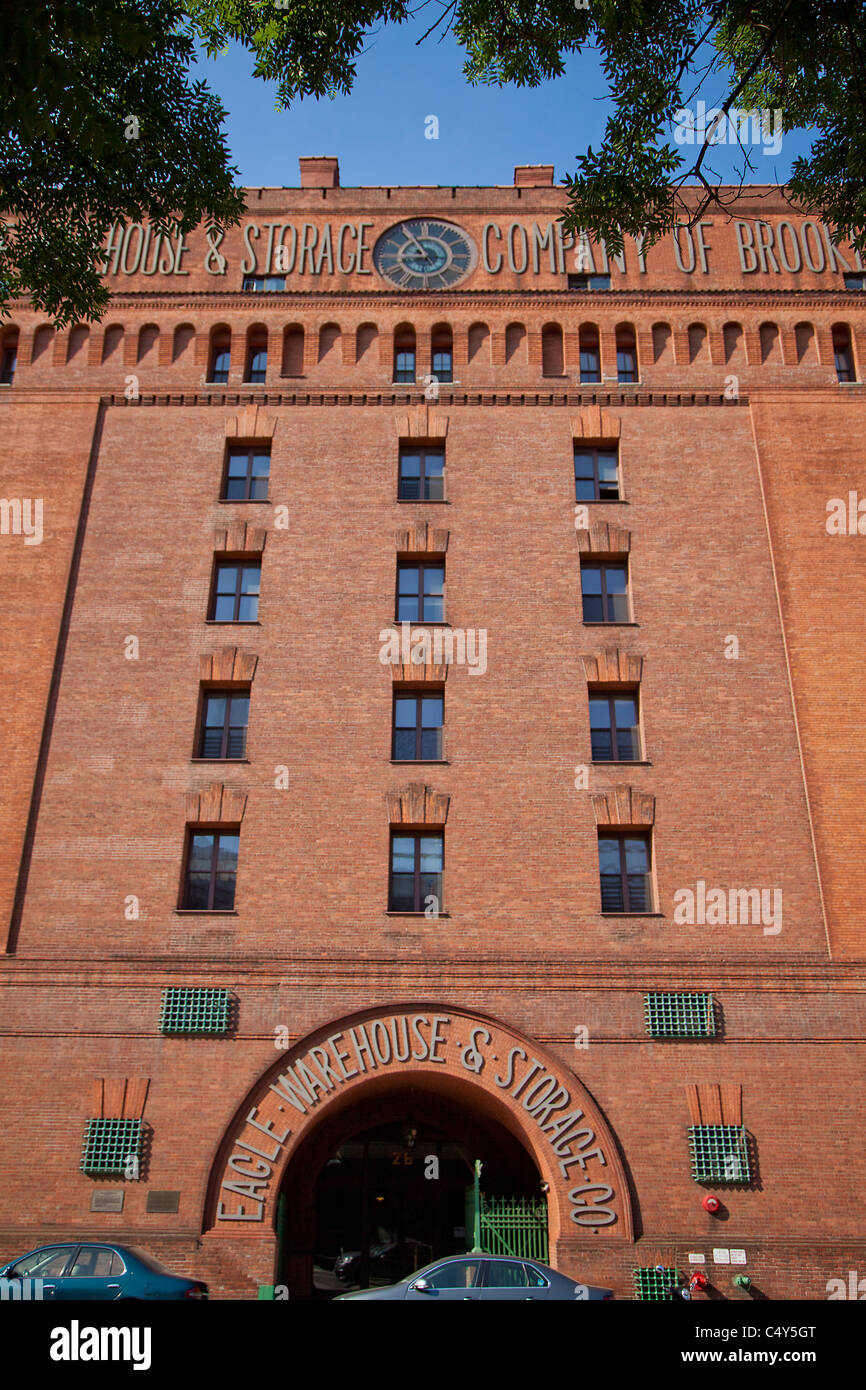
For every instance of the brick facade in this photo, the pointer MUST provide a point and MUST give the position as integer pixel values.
(744, 639)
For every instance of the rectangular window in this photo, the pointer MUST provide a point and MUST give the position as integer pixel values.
(719, 1153)
(420, 593)
(416, 872)
(418, 721)
(211, 870)
(225, 716)
(596, 475)
(191, 1009)
(257, 366)
(613, 727)
(422, 475)
(626, 362)
(220, 366)
(590, 362)
(605, 593)
(236, 593)
(404, 364)
(624, 870)
(443, 364)
(855, 282)
(246, 476)
(584, 281)
(258, 284)
(680, 1015)
(7, 368)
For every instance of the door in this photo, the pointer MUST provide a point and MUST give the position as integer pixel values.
(455, 1281)
(511, 1281)
(37, 1275)
(96, 1273)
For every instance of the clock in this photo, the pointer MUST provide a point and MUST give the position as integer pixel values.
(424, 254)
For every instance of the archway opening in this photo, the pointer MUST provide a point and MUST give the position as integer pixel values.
(386, 1185)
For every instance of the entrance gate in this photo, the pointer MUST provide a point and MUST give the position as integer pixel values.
(514, 1226)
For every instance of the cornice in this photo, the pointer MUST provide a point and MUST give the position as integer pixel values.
(572, 399)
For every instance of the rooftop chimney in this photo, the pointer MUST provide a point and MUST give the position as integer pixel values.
(320, 171)
(533, 176)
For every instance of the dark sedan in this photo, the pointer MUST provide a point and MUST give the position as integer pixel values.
(80, 1273)
(484, 1278)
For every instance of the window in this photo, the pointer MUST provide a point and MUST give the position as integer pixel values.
(680, 1015)
(418, 721)
(96, 1262)
(404, 354)
(246, 477)
(596, 475)
(842, 354)
(420, 593)
(624, 868)
(626, 355)
(590, 356)
(220, 360)
(605, 593)
(109, 1144)
(416, 872)
(48, 1263)
(855, 282)
(9, 359)
(422, 475)
(719, 1153)
(236, 593)
(534, 1278)
(211, 871)
(191, 1009)
(225, 716)
(257, 364)
(442, 360)
(506, 1274)
(585, 281)
(457, 1274)
(7, 367)
(613, 728)
(258, 284)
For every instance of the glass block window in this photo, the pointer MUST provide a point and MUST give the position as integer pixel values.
(109, 1145)
(194, 1010)
(680, 1015)
(719, 1153)
(656, 1285)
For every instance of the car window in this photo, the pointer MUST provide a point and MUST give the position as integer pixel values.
(534, 1278)
(96, 1262)
(43, 1264)
(458, 1274)
(505, 1274)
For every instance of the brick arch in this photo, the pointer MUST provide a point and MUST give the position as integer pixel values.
(475, 1057)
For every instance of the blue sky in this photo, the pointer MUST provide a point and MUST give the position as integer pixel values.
(378, 131)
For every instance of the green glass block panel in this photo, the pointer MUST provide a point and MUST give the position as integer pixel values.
(719, 1153)
(680, 1015)
(656, 1285)
(109, 1145)
(194, 1010)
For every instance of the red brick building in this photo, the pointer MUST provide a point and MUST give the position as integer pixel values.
(434, 657)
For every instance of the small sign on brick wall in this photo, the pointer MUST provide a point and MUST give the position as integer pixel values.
(165, 1202)
(107, 1199)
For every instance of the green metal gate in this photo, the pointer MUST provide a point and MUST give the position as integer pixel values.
(512, 1226)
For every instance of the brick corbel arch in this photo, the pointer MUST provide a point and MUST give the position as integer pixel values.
(623, 805)
(613, 666)
(603, 538)
(417, 804)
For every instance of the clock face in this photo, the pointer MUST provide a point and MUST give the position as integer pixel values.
(424, 255)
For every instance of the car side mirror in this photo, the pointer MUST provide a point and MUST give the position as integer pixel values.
(421, 1285)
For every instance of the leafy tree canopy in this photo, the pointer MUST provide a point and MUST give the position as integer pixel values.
(71, 75)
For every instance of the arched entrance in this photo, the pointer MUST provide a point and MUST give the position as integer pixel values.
(469, 1083)
(385, 1184)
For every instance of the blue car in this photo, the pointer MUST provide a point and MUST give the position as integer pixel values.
(83, 1273)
